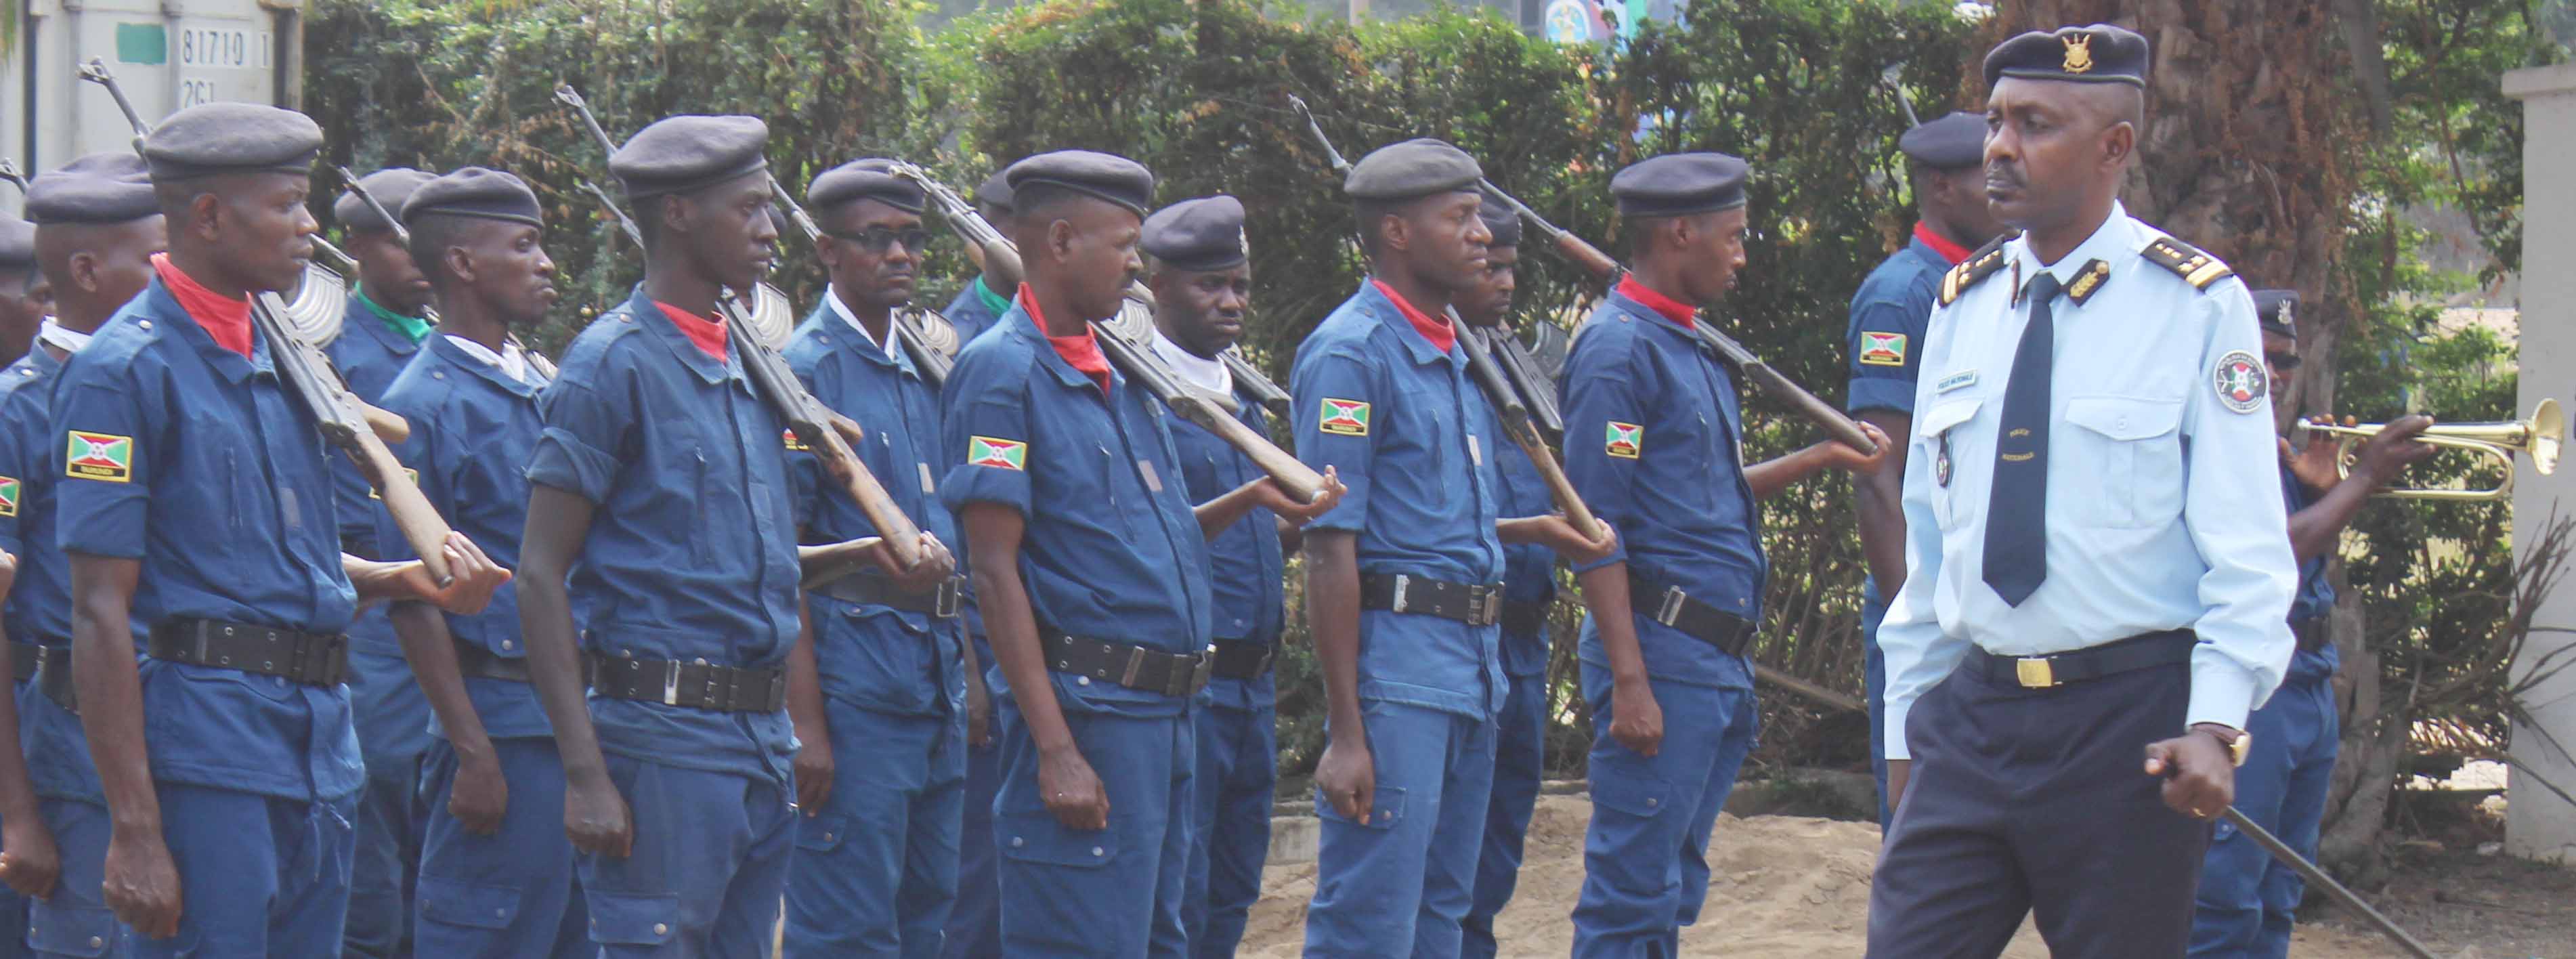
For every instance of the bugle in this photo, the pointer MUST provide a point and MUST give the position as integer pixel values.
(2536, 437)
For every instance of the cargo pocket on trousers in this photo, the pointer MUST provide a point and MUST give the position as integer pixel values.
(633, 920)
(466, 904)
(820, 833)
(1042, 840)
(1622, 789)
(70, 930)
(1386, 807)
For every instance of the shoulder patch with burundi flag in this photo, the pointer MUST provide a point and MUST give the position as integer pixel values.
(1345, 417)
(100, 456)
(9, 487)
(2241, 381)
(1882, 349)
(794, 445)
(1000, 454)
(1624, 440)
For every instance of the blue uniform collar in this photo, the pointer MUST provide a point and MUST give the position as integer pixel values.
(1393, 316)
(1671, 332)
(645, 313)
(364, 321)
(1932, 259)
(1019, 323)
(827, 319)
(456, 356)
(175, 321)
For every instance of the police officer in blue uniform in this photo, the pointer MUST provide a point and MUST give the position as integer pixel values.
(383, 329)
(2248, 900)
(496, 873)
(2097, 573)
(1655, 445)
(1945, 166)
(662, 512)
(1404, 578)
(1199, 268)
(194, 502)
(975, 918)
(98, 226)
(1092, 570)
(876, 864)
(22, 310)
(979, 304)
(1529, 590)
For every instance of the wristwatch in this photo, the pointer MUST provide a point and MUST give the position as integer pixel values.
(2237, 747)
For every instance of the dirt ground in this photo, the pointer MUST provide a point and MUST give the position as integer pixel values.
(1796, 887)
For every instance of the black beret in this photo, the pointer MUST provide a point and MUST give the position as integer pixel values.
(476, 192)
(111, 187)
(1198, 235)
(1112, 178)
(1953, 142)
(391, 186)
(1413, 168)
(2272, 309)
(866, 180)
(996, 190)
(17, 243)
(2100, 53)
(1680, 184)
(683, 153)
(228, 137)
(1500, 221)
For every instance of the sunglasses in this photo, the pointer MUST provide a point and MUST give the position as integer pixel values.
(880, 239)
(2284, 362)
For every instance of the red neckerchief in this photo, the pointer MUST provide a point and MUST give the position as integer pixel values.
(1081, 352)
(709, 335)
(1669, 308)
(1438, 331)
(226, 319)
(1952, 252)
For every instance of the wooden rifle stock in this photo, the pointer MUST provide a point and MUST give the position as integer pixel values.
(356, 427)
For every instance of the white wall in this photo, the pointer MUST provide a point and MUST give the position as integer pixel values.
(2539, 824)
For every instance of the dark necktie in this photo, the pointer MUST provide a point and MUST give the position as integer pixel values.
(2017, 508)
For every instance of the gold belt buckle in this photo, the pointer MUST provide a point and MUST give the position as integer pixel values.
(2034, 672)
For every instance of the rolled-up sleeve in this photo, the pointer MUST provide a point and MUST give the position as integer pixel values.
(1885, 347)
(2233, 510)
(1605, 435)
(1338, 396)
(991, 449)
(577, 451)
(101, 506)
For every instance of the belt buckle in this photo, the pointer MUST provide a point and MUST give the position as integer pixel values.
(1135, 665)
(670, 682)
(2034, 672)
(1670, 611)
(952, 594)
(1402, 584)
(1489, 605)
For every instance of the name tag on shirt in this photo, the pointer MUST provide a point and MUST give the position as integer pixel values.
(1145, 468)
(1956, 381)
(1475, 453)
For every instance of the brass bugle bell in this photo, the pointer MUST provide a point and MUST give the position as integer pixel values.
(2536, 437)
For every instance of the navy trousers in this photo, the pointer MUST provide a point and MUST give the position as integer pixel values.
(975, 916)
(509, 895)
(258, 876)
(1238, 776)
(876, 867)
(1520, 734)
(76, 921)
(2248, 899)
(2033, 801)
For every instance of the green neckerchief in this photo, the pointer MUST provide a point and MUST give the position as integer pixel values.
(412, 328)
(995, 302)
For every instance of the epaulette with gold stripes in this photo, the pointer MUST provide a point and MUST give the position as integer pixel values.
(2195, 267)
(1977, 266)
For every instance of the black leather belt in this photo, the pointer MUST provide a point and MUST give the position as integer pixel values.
(1673, 607)
(1473, 604)
(54, 677)
(1522, 618)
(695, 685)
(474, 661)
(2312, 633)
(1244, 659)
(313, 659)
(22, 660)
(1135, 667)
(870, 590)
(2143, 651)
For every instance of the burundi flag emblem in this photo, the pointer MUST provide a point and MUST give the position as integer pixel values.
(998, 454)
(1882, 349)
(1345, 417)
(100, 456)
(1625, 440)
(9, 496)
(794, 445)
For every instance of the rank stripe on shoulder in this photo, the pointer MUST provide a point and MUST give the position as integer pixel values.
(1976, 267)
(2196, 267)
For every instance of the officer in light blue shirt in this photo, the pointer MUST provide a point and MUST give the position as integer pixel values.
(2248, 900)
(876, 864)
(97, 226)
(2096, 571)
(1405, 577)
(384, 328)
